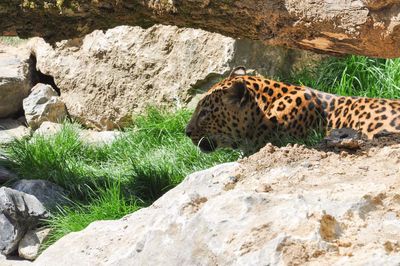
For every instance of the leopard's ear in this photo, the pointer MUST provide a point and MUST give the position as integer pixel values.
(238, 71)
(238, 93)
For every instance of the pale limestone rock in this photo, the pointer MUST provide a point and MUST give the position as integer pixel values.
(43, 104)
(107, 76)
(13, 261)
(48, 128)
(87, 136)
(14, 79)
(98, 138)
(319, 209)
(29, 245)
(11, 130)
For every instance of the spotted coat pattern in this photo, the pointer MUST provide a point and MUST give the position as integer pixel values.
(246, 112)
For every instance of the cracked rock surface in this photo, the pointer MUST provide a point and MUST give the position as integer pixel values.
(281, 206)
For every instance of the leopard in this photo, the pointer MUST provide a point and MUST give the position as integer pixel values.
(245, 112)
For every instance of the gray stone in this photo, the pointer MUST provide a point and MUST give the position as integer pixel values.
(19, 212)
(29, 245)
(48, 128)
(6, 175)
(11, 130)
(43, 104)
(48, 193)
(14, 79)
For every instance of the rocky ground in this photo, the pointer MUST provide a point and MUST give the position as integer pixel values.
(280, 206)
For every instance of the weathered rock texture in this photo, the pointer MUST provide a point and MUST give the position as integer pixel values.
(11, 129)
(49, 194)
(19, 212)
(29, 245)
(281, 206)
(104, 77)
(365, 27)
(15, 79)
(43, 104)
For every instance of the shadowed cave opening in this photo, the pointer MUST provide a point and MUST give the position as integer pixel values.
(39, 77)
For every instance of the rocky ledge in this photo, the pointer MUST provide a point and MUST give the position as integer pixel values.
(290, 205)
(336, 27)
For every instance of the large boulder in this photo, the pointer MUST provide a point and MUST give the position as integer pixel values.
(366, 27)
(281, 206)
(15, 81)
(107, 76)
(19, 212)
(43, 104)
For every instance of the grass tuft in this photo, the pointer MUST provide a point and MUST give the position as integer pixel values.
(355, 76)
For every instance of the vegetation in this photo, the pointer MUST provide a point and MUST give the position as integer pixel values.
(354, 75)
(107, 182)
(11, 40)
(153, 155)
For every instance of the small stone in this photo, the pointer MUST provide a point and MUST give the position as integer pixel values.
(48, 128)
(329, 228)
(43, 104)
(29, 245)
(98, 138)
(11, 130)
(264, 188)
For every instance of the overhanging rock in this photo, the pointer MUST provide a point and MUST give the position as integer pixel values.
(365, 27)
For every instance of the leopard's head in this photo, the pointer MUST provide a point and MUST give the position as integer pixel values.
(223, 115)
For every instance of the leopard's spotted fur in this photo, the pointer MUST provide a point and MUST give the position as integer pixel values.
(246, 112)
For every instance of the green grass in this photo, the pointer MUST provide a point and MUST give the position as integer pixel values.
(105, 204)
(107, 182)
(354, 75)
(12, 40)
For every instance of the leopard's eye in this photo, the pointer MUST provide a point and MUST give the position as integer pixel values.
(202, 113)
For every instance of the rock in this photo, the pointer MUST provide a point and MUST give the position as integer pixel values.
(48, 128)
(99, 138)
(344, 138)
(318, 209)
(19, 212)
(14, 79)
(362, 27)
(43, 104)
(29, 245)
(11, 129)
(6, 175)
(107, 76)
(13, 261)
(88, 136)
(48, 193)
